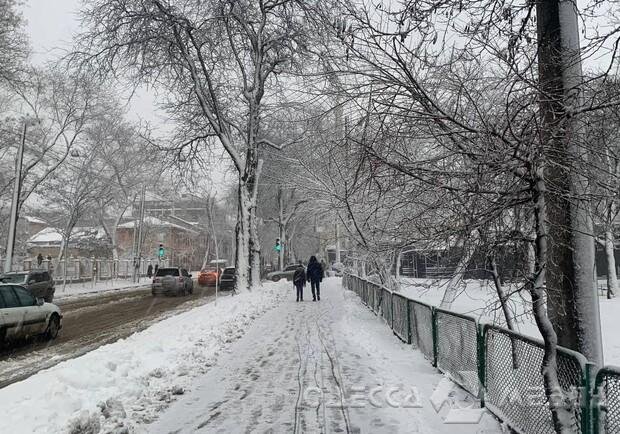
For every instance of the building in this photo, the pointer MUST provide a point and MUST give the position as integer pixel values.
(184, 242)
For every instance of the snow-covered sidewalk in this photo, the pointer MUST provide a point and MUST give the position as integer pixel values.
(329, 366)
(119, 387)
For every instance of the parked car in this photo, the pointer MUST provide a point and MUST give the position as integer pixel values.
(227, 279)
(287, 273)
(22, 315)
(38, 282)
(172, 280)
(209, 276)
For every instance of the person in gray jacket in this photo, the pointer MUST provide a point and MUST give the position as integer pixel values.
(299, 280)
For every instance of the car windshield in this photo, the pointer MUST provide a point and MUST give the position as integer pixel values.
(210, 270)
(14, 278)
(291, 268)
(229, 272)
(167, 272)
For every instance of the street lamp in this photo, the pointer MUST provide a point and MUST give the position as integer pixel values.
(17, 186)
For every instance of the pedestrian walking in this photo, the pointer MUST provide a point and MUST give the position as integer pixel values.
(149, 271)
(155, 270)
(299, 280)
(315, 277)
(39, 260)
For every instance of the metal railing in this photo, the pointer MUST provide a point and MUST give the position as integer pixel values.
(500, 367)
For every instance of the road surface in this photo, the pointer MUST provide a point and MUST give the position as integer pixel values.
(90, 322)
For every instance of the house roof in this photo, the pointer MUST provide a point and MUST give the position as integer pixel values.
(153, 222)
(52, 236)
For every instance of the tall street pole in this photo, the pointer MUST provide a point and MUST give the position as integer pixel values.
(17, 186)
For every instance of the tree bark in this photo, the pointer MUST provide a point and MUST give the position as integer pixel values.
(572, 299)
(469, 246)
(612, 278)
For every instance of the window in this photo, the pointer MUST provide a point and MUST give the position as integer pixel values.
(10, 298)
(229, 272)
(38, 277)
(25, 298)
(15, 278)
(291, 268)
(184, 272)
(167, 272)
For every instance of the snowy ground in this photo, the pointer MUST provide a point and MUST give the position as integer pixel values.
(255, 362)
(127, 383)
(71, 290)
(479, 299)
(330, 366)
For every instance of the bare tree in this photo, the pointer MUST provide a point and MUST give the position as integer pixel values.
(216, 59)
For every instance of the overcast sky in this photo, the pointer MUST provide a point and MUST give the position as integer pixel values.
(51, 26)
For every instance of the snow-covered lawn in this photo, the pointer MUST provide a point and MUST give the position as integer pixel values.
(329, 366)
(479, 299)
(130, 381)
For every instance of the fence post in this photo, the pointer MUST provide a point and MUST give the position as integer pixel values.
(409, 337)
(392, 310)
(482, 380)
(434, 330)
(589, 413)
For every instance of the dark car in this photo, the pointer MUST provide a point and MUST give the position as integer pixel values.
(227, 279)
(287, 273)
(172, 280)
(38, 282)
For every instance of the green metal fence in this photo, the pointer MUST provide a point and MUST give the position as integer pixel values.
(400, 318)
(501, 367)
(457, 348)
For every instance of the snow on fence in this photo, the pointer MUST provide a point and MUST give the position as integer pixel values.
(501, 367)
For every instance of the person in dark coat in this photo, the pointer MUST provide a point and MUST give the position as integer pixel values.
(299, 280)
(149, 271)
(39, 260)
(315, 277)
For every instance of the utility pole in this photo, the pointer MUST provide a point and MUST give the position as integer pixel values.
(141, 231)
(17, 186)
(337, 243)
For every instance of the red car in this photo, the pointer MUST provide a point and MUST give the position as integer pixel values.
(208, 276)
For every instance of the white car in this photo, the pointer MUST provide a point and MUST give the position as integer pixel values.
(22, 315)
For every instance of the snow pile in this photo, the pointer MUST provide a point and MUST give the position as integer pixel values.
(126, 383)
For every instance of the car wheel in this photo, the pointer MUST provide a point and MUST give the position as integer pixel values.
(53, 327)
(275, 278)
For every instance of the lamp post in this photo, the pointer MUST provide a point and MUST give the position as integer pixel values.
(17, 186)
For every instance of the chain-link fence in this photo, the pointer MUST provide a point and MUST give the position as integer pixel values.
(607, 400)
(502, 367)
(421, 325)
(457, 348)
(515, 385)
(400, 317)
(386, 306)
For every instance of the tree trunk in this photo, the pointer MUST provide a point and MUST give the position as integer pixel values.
(612, 278)
(450, 293)
(242, 256)
(572, 299)
(561, 416)
(503, 300)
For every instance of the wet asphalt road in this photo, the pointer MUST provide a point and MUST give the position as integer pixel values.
(92, 321)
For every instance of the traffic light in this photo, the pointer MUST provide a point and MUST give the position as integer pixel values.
(278, 246)
(161, 251)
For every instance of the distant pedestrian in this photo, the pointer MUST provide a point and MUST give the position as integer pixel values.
(315, 277)
(156, 268)
(299, 280)
(323, 266)
(39, 260)
(149, 271)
